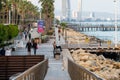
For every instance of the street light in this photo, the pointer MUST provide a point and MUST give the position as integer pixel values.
(116, 15)
(9, 14)
(80, 12)
(40, 13)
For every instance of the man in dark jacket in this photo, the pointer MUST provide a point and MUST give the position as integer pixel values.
(2, 52)
(35, 46)
(29, 46)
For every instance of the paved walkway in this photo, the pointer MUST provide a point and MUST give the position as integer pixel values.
(56, 70)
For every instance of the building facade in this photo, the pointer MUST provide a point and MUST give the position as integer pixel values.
(66, 13)
(64, 9)
(79, 10)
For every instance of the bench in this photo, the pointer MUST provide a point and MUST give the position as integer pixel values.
(10, 65)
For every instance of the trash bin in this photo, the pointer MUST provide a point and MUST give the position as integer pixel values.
(57, 56)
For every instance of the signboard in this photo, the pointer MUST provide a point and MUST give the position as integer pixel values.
(40, 26)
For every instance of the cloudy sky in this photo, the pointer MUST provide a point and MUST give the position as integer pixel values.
(87, 5)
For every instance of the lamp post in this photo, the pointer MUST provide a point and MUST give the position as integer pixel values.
(66, 42)
(9, 16)
(40, 13)
(80, 10)
(9, 13)
(65, 35)
(116, 15)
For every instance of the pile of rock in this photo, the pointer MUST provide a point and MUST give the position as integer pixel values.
(75, 37)
(105, 68)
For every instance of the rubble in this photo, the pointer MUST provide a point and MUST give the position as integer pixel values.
(105, 68)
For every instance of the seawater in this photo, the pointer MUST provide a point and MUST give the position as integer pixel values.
(104, 35)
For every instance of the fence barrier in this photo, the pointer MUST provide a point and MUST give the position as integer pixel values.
(13, 65)
(78, 72)
(37, 72)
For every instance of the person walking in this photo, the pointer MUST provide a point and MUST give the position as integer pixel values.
(35, 46)
(57, 38)
(25, 34)
(2, 52)
(59, 33)
(29, 46)
(54, 47)
(29, 36)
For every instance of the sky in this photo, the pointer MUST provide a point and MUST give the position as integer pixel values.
(87, 5)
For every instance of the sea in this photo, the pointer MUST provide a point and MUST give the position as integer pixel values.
(104, 35)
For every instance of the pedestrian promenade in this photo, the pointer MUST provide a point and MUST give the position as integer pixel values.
(56, 69)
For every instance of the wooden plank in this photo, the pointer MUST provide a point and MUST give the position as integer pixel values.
(10, 65)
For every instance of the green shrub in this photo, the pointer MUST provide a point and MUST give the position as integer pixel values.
(7, 32)
(44, 38)
(50, 32)
(3, 44)
(13, 30)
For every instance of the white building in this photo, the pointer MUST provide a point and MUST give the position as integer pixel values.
(92, 15)
(74, 14)
(79, 10)
(58, 17)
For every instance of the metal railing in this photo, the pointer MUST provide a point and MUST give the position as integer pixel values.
(36, 72)
(78, 72)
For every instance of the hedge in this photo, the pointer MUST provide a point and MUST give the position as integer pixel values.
(8, 32)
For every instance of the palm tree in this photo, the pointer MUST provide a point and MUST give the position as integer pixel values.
(57, 21)
(6, 7)
(0, 4)
(21, 11)
(15, 6)
(47, 12)
(32, 12)
(3, 5)
(64, 26)
(28, 10)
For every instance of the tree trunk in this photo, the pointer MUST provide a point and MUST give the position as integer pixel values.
(7, 16)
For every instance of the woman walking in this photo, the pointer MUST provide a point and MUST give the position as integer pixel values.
(35, 46)
(29, 46)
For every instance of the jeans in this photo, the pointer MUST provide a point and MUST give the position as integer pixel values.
(59, 47)
(34, 51)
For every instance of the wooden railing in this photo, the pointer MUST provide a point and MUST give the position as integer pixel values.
(77, 72)
(10, 65)
(36, 72)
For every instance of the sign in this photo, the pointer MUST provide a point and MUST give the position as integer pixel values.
(87, 40)
(40, 26)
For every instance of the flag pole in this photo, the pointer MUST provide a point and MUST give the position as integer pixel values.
(116, 15)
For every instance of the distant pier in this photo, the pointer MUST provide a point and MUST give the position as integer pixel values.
(92, 28)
